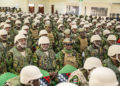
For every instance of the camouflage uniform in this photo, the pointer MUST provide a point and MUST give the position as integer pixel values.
(108, 62)
(96, 52)
(44, 61)
(78, 75)
(16, 61)
(68, 57)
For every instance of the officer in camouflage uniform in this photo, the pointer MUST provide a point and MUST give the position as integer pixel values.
(105, 35)
(17, 26)
(50, 33)
(82, 75)
(45, 57)
(74, 31)
(111, 40)
(3, 49)
(19, 56)
(83, 40)
(114, 61)
(29, 76)
(67, 55)
(95, 48)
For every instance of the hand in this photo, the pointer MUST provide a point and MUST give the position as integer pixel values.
(53, 74)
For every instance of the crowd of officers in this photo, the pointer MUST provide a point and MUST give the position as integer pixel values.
(30, 42)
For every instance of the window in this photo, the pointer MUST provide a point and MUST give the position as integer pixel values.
(95, 11)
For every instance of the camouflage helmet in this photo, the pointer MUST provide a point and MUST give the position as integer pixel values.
(67, 31)
(112, 37)
(74, 27)
(43, 32)
(24, 32)
(25, 27)
(18, 37)
(67, 40)
(18, 22)
(92, 62)
(43, 40)
(3, 32)
(103, 76)
(94, 38)
(29, 73)
(105, 32)
(113, 50)
(81, 29)
(7, 25)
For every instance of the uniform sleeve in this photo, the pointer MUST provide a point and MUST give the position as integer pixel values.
(59, 60)
(9, 62)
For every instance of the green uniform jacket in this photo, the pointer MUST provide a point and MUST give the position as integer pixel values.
(110, 65)
(16, 61)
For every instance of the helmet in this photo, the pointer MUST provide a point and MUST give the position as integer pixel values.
(2, 23)
(6, 25)
(67, 40)
(47, 23)
(26, 21)
(82, 29)
(94, 38)
(43, 40)
(117, 26)
(7, 21)
(19, 36)
(25, 27)
(82, 23)
(103, 76)
(74, 27)
(105, 32)
(3, 32)
(68, 20)
(42, 32)
(60, 25)
(113, 50)
(86, 25)
(29, 73)
(112, 37)
(22, 32)
(67, 31)
(94, 20)
(66, 84)
(18, 22)
(92, 62)
(109, 24)
(97, 25)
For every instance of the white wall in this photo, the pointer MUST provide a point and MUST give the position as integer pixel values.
(88, 6)
(15, 3)
(115, 8)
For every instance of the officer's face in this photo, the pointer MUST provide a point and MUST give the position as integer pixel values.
(74, 30)
(67, 35)
(62, 28)
(7, 29)
(82, 34)
(111, 42)
(23, 41)
(68, 46)
(18, 25)
(45, 46)
(106, 36)
(4, 37)
(97, 43)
